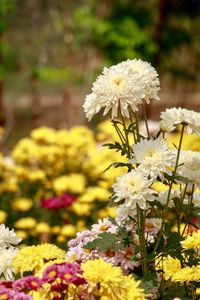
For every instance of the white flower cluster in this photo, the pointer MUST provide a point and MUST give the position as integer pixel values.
(8, 239)
(153, 156)
(190, 166)
(122, 87)
(175, 116)
(134, 188)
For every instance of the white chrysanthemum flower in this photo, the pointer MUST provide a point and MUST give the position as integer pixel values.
(134, 188)
(8, 237)
(153, 225)
(123, 212)
(148, 76)
(190, 165)
(114, 90)
(162, 197)
(175, 116)
(153, 156)
(91, 106)
(122, 87)
(104, 225)
(195, 200)
(6, 257)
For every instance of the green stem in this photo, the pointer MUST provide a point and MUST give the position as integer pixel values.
(179, 213)
(145, 120)
(170, 188)
(137, 127)
(143, 250)
(133, 130)
(122, 138)
(189, 210)
(127, 138)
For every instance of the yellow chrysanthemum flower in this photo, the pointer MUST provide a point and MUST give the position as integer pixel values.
(32, 258)
(108, 282)
(107, 211)
(187, 274)
(74, 183)
(68, 230)
(192, 241)
(25, 223)
(22, 204)
(3, 216)
(42, 227)
(168, 265)
(81, 209)
(44, 135)
(22, 234)
(94, 193)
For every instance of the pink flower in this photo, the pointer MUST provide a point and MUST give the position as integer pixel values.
(58, 202)
(29, 282)
(67, 272)
(22, 296)
(6, 284)
(11, 294)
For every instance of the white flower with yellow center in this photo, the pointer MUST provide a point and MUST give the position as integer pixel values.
(8, 237)
(123, 213)
(91, 106)
(133, 187)
(175, 116)
(153, 156)
(148, 76)
(190, 165)
(114, 90)
(122, 88)
(6, 257)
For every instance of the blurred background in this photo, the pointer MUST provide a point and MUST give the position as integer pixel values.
(52, 50)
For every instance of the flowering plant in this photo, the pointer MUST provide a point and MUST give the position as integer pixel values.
(50, 185)
(150, 249)
(158, 197)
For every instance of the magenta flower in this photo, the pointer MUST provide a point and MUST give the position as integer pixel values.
(58, 202)
(21, 296)
(27, 283)
(11, 294)
(6, 293)
(6, 284)
(67, 272)
(50, 274)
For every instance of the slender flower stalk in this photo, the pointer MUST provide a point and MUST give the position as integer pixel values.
(170, 188)
(137, 127)
(133, 126)
(127, 137)
(189, 210)
(182, 200)
(118, 130)
(145, 120)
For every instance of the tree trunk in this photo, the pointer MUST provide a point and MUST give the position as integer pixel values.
(163, 7)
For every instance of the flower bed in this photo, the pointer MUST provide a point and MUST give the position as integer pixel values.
(150, 249)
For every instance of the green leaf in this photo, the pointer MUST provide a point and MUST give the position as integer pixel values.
(182, 178)
(169, 177)
(117, 146)
(118, 165)
(148, 282)
(105, 241)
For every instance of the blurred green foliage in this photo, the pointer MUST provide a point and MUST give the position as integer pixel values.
(158, 31)
(52, 40)
(119, 37)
